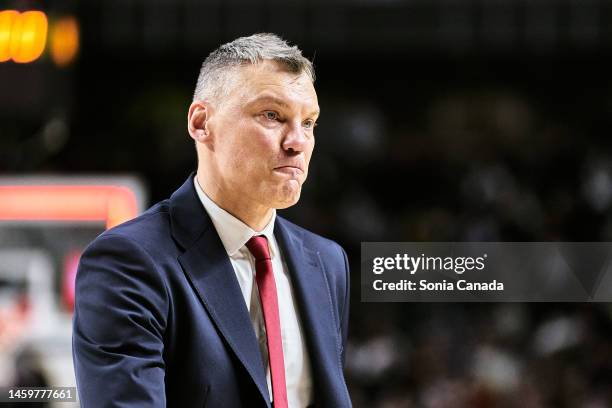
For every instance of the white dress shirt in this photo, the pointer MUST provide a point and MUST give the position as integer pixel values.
(234, 235)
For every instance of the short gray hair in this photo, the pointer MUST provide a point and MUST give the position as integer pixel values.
(213, 78)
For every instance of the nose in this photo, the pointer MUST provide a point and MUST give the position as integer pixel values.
(295, 139)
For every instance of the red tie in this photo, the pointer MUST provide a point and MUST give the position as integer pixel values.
(267, 293)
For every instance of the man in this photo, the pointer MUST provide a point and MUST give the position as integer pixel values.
(209, 298)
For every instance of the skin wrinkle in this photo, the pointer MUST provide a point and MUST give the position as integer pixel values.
(246, 160)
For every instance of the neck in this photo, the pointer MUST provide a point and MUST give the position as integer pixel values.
(254, 215)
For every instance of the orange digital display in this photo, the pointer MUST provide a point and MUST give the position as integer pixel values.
(22, 35)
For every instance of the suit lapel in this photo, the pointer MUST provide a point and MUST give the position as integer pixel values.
(316, 311)
(210, 271)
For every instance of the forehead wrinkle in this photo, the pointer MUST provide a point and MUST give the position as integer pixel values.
(267, 97)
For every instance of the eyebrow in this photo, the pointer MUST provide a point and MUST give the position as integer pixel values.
(277, 101)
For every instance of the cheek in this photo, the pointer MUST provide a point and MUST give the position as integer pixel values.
(251, 151)
(235, 142)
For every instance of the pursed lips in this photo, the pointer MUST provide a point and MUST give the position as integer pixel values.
(290, 169)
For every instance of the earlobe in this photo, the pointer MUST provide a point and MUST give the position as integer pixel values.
(199, 135)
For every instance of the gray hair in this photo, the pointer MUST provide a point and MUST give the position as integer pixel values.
(213, 81)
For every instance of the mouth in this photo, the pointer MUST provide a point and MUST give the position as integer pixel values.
(290, 170)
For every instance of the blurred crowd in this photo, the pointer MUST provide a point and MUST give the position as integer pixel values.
(480, 355)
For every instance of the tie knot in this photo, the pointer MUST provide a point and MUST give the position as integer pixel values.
(258, 245)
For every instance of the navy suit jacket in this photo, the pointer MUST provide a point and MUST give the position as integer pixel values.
(160, 320)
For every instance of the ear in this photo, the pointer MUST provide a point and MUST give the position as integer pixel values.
(197, 121)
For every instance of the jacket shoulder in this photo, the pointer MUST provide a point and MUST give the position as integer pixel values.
(150, 230)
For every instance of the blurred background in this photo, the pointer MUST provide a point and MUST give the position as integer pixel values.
(442, 120)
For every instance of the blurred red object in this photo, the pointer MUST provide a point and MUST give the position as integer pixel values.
(71, 264)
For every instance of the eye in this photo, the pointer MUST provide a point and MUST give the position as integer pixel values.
(309, 124)
(270, 115)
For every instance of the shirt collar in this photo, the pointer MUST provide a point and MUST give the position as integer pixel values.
(234, 233)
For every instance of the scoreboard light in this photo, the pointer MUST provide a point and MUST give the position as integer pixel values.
(22, 35)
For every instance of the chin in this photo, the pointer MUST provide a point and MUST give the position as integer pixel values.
(286, 194)
(287, 201)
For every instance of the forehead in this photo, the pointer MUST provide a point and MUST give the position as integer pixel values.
(272, 78)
